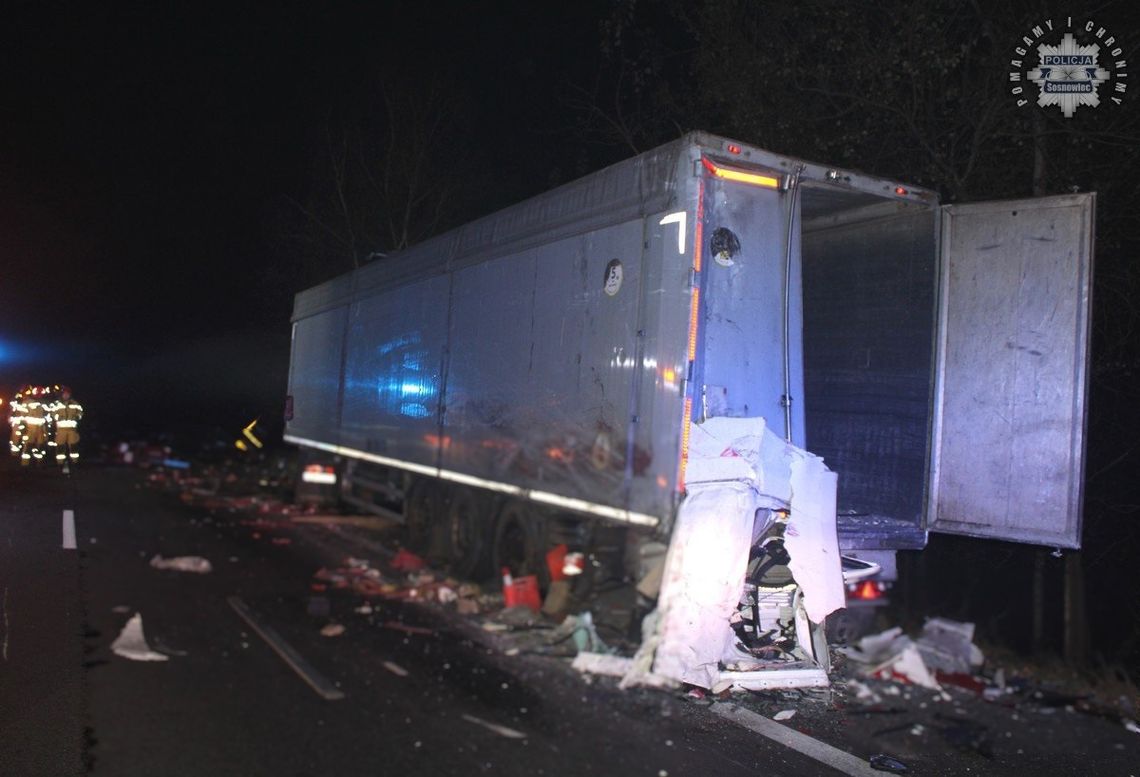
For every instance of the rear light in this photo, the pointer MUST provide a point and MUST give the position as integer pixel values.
(741, 176)
(733, 148)
(900, 191)
(316, 473)
(866, 590)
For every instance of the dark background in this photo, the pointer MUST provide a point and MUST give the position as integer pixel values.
(171, 174)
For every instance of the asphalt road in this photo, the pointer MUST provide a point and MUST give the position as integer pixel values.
(445, 699)
(226, 704)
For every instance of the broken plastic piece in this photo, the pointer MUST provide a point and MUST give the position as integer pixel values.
(131, 643)
(406, 561)
(886, 763)
(332, 630)
(601, 663)
(395, 669)
(784, 715)
(522, 592)
(947, 646)
(195, 564)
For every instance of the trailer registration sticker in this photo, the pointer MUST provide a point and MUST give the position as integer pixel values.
(613, 278)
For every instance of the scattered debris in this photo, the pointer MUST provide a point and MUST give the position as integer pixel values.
(131, 643)
(408, 629)
(395, 669)
(886, 763)
(364, 609)
(947, 646)
(601, 663)
(332, 630)
(891, 655)
(406, 561)
(195, 564)
(521, 591)
(510, 733)
(1131, 726)
(784, 715)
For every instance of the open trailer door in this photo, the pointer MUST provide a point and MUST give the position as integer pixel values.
(1007, 458)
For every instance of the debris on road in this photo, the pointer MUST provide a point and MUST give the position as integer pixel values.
(891, 655)
(601, 663)
(406, 561)
(195, 564)
(332, 630)
(395, 669)
(407, 629)
(503, 731)
(886, 763)
(948, 646)
(784, 715)
(131, 643)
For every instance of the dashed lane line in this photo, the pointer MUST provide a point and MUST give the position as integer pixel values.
(69, 530)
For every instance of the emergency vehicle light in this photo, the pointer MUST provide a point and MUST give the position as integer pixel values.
(740, 176)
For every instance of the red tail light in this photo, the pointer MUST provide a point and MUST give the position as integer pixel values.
(866, 590)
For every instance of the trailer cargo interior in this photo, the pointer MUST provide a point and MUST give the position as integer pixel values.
(545, 366)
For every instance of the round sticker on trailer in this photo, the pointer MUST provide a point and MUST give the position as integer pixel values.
(613, 277)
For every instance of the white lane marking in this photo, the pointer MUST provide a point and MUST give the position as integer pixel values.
(802, 743)
(502, 731)
(4, 607)
(69, 530)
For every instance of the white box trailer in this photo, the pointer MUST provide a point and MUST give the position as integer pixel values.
(544, 363)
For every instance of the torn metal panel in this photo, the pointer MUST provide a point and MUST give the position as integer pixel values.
(742, 479)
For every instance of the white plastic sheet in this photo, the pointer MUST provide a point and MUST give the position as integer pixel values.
(195, 564)
(131, 643)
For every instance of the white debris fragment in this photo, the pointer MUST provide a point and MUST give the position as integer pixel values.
(195, 564)
(1131, 726)
(784, 715)
(948, 646)
(395, 669)
(332, 630)
(510, 733)
(908, 666)
(131, 643)
(601, 663)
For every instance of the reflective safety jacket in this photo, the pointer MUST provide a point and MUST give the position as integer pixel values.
(34, 414)
(67, 413)
(16, 412)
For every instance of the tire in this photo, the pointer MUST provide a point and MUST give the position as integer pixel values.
(467, 535)
(421, 505)
(520, 542)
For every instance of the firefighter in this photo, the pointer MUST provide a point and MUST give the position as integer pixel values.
(35, 432)
(16, 412)
(66, 413)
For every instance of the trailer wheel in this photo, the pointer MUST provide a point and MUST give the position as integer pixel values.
(420, 506)
(467, 530)
(520, 542)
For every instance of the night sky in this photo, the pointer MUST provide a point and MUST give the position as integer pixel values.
(148, 154)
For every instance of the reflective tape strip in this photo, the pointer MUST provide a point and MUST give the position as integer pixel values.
(62, 424)
(544, 497)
